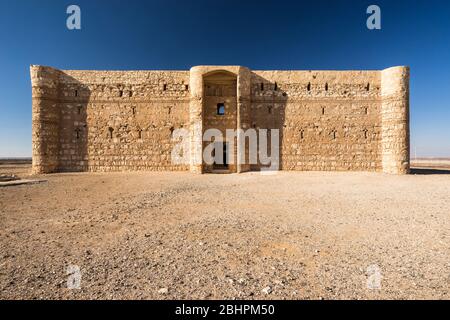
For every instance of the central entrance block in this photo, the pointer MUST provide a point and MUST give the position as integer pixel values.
(220, 113)
(220, 100)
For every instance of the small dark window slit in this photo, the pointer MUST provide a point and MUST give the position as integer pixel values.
(366, 110)
(326, 86)
(365, 134)
(134, 110)
(220, 109)
(276, 87)
(79, 109)
(110, 130)
(302, 134)
(77, 131)
(165, 87)
(323, 110)
(308, 87)
(262, 86)
(140, 133)
(76, 93)
(269, 109)
(368, 87)
(121, 93)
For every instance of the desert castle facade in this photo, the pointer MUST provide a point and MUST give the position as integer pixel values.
(126, 120)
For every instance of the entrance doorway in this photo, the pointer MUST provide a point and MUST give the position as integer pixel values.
(221, 156)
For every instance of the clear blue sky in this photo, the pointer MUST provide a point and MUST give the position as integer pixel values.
(176, 34)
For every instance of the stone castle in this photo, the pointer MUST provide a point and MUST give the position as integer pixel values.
(125, 120)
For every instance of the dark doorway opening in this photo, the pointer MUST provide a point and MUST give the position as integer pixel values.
(221, 156)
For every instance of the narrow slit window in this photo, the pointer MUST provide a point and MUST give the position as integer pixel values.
(79, 109)
(366, 134)
(220, 109)
(366, 110)
(78, 131)
(308, 87)
(333, 133)
(262, 86)
(368, 87)
(276, 86)
(186, 87)
(121, 93)
(269, 109)
(165, 87)
(140, 133)
(326, 86)
(323, 110)
(76, 93)
(110, 132)
(302, 134)
(133, 110)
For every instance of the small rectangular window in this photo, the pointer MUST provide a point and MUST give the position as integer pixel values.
(220, 109)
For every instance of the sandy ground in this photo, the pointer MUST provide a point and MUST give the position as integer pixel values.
(292, 235)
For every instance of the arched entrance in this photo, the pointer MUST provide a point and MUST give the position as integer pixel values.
(220, 113)
(220, 100)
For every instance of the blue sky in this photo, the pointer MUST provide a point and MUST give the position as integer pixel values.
(175, 34)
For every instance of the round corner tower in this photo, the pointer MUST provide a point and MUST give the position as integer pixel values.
(395, 120)
(45, 119)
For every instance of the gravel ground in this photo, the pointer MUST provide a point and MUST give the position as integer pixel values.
(292, 235)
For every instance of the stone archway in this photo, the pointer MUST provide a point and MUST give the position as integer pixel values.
(204, 101)
(219, 112)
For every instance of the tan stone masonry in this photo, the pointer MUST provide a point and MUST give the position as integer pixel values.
(124, 120)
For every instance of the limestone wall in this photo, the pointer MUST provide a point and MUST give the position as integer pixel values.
(45, 119)
(124, 120)
(395, 120)
(328, 120)
(109, 120)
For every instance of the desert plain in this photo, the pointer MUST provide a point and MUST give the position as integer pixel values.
(290, 235)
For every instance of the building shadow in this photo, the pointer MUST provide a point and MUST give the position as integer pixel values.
(429, 171)
(268, 111)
